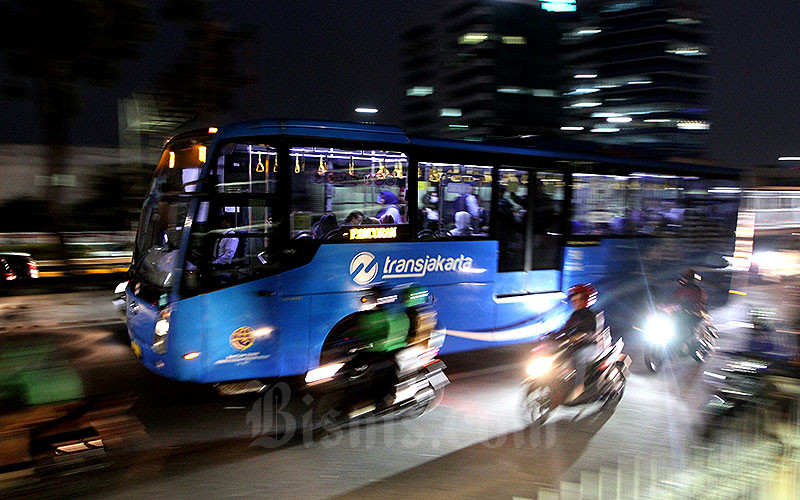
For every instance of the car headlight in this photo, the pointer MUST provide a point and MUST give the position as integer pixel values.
(659, 329)
(539, 366)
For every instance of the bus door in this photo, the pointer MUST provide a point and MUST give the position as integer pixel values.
(457, 258)
(233, 263)
(528, 225)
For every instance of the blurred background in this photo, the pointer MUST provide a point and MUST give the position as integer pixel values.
(90, 90)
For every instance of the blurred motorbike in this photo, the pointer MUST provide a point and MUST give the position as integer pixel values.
(362, 382)
(47, 424)
(667, 336)
(741, 385)
(551, 372)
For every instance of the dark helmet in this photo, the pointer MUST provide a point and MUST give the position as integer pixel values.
(687, 277)
(588, 291)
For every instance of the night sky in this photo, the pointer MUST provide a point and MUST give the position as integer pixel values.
(323, 58)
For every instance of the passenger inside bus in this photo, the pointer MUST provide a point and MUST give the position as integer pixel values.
(325, 227)
(225, 249)
(462, 228)
(389, 214)
(354, 218)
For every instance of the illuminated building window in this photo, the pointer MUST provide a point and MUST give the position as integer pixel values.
(582, 91)
(544, 93)
(419, 91)
(686, 51)
(449, 112)
(514, 40)
(684, 20)
(472, 38)
(693, 125)
(559, 5)
(586, 104)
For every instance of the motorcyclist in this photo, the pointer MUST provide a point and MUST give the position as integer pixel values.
(689, 295)
(383, 330)
(580, 331)
(692, 300)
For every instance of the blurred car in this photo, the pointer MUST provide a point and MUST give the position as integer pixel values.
(17, 266)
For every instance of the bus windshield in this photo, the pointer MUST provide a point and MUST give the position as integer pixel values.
(165, 209)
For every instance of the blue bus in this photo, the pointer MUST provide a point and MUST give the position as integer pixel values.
(257, 241)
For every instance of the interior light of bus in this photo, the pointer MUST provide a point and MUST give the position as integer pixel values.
(172, 159)
(201, 153)
(213, 130)
(191, 355)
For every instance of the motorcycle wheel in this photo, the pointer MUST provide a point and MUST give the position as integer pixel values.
(537, 404)
(422, 409)
(616, 397)
(653, 359)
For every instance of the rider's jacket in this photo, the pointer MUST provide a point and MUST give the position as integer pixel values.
(690, 298)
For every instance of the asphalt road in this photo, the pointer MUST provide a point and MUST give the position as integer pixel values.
(476, 444)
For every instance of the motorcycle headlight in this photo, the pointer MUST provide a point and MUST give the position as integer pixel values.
(324, 372)
(659, 330)
(539, 366)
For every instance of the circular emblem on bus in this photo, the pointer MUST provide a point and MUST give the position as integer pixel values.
(242, 338)
(363, 268)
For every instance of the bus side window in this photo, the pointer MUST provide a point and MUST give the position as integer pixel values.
(334, 189)
(454, 200)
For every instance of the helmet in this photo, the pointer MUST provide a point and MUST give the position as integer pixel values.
(588, 291)
(687, 276)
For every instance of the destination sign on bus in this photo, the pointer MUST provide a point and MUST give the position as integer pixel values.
(373, 233)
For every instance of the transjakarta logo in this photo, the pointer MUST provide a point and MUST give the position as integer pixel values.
(364, 266)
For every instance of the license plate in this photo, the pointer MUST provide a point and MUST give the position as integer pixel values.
(136, 349)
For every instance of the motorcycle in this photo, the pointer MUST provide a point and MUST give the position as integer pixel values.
(666, 341)
(550, 373)
(740, 384)
(48, 426)
(362, 383)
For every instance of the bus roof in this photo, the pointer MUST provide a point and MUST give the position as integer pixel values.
(538, 146)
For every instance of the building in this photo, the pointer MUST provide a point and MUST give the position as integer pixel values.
(484, 68)
(638, 75)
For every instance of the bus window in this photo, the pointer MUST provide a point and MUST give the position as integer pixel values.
(164, 214)
(247, 168)
(233, 226)
(454, 200)
(335, 189)
(529, 219)
(599, 204)
(236, 243)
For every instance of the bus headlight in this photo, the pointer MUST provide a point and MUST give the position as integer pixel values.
(539, 366)
(161, 333)
(659, 330)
